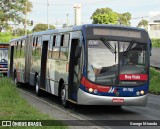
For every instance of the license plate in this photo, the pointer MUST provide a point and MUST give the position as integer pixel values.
(116, 100)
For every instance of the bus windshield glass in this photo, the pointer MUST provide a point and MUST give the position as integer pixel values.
(133, 63)
(3, 55)
(109, 60)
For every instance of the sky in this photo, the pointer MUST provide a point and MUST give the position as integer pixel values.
(58, 10)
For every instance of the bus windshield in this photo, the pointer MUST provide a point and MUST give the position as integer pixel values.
(3, 55)
(108, 60)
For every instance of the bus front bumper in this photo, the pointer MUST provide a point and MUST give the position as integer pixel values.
(85, 98)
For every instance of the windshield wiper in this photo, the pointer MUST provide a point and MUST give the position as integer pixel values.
(108, 45)
(129, 48)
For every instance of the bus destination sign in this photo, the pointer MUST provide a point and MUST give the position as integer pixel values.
(120, 33)
(3, 46)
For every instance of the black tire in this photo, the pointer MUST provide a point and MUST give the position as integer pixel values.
(37, 87)
(63, 96)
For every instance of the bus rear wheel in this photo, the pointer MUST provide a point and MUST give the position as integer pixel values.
(37, 87)
(63, 96)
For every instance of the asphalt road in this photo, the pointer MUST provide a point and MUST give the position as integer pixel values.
(155, 58)
(50, 105)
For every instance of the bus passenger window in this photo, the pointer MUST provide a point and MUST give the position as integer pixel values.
(18, 48)
(36, 41)
(66, 40)
(17, 45)
(33, 41)
(55, 50)
(38, 46)
(33, 46)
(58, 40)
(54, 41)
(62, 39)
(21, 47)
(64, 48)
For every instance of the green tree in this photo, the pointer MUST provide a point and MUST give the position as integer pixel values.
(108, 16)
(41, 27)
(143, 24)
(12, 11)
(104, 16)
(20, 32)
(124, 19)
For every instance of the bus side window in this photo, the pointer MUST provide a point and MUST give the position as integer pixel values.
(36, 43)
(55, 53)
(33, 46)
(52, 44)
(19, 48)
(23, 47)
(64, 47)
(16, 47)
(38, 46)
(33, 42)
(62, 39)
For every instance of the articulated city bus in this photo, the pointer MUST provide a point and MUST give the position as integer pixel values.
(87, 65)
(3, 59)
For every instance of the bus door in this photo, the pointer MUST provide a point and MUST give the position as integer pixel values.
(74, 69)
(43, 65)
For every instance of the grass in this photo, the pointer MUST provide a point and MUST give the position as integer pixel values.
(14, 107)
(156, 43)
(154, 81)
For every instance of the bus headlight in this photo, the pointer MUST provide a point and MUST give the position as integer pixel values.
(90, 90)
(137, 93)
(95, 91)
(142, 92)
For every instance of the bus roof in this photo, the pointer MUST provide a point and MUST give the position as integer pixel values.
(4, 44)
(15, 39)
(78, 28)
(81, 27)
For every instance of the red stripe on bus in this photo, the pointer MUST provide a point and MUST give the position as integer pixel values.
(88, 84)
(132, 77)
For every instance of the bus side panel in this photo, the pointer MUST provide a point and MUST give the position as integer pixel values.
(51, 82)
(57, 64)
(35, 58)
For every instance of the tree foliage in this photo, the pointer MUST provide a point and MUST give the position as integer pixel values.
(143, 24)
(124, 19)
(20, 32)
(108, 16)
(13, 11)
(41, 27)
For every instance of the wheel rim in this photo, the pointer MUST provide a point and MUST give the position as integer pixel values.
(63, 95)
(15, 80)
(37, 88)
